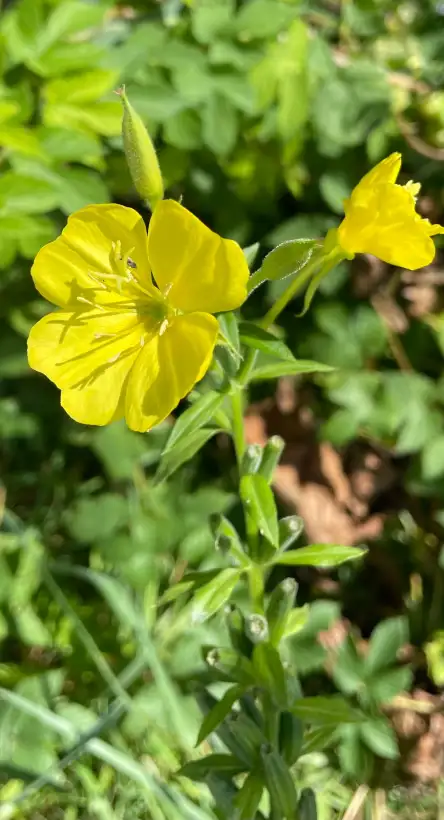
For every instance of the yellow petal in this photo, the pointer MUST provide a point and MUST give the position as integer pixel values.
(168, 367)
(198, 269)
(69, 267)
(385, 171)
(391, 230)
(89, 357)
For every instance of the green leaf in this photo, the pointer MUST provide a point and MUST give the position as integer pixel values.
(319, 555)
(215, 763)
(328, 711)
(183, 130)
(248, 797)
(296, 620)
(259, 339)
(379, 736)
(229, 327)
(183, 451)
(270, 672)
(318, 738)
(258, 19)
(214, 595)
(97, 517)
(386, 685)
(348, 669)
(260, 505)
(195, 417)
(211, 19)
(219, 125)
(271, 371)
(288, 258)
(385, 642)
(219, 712)
(70, 17)
(432, 458)
(250, 253)
(27, 195)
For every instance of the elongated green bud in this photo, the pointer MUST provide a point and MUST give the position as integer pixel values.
(248, 798)
(270, 457)
(280, 604)
(291, 735)
(236, 627)
(279, 783)
(290, 528)
(307, 805)
(256, 627)
(251, 459)
(140, 155)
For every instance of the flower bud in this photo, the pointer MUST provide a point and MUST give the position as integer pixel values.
(140, 155)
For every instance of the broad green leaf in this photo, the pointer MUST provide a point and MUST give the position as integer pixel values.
(386, 640)
(379, 736)
(183, 451)
(386, 684)
(296, 620)
(260, 505)
(96, 518)
(183, 130)
(211, 19)
(288, 258)
(271, 371)
(219, 712)
(70, 17)
(259, 339)
(355, 757)
(319, 555)
(21, 140)
(26, 195)
(81, 89)
(64, 145)
(348, 668)
(432, 459)
(214, 595)
(79, 187)
(258, 19)
(330, 711)
(193, 418)
(219, 125)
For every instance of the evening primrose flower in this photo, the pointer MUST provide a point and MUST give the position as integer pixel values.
(380, 218)
(135, 329)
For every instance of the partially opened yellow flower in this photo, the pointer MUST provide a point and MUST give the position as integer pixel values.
(380, 218)
(135, 330)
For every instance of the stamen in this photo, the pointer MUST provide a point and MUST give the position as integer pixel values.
(163, 327)
(88, 302)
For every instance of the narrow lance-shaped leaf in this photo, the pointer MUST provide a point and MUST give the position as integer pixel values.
(182, 452)
(259, 339)
(260, 505)
(195, 417)
(219, 712)
(319, 555)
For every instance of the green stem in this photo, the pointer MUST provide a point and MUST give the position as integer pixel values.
(237, 410)
(289, 293)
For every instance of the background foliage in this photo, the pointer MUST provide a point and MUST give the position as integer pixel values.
(265, 113)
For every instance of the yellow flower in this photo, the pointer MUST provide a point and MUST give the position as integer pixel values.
(380, 218)
(135, 330)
